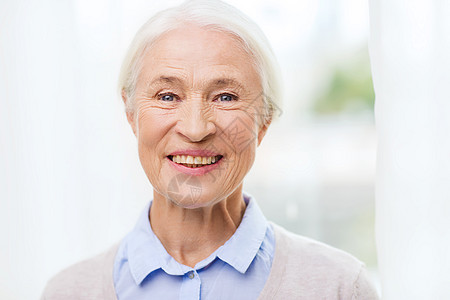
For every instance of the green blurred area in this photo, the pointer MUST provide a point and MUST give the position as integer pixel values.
(349, 88)
(348, 210)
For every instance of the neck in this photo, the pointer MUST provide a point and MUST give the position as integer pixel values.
(191, 235)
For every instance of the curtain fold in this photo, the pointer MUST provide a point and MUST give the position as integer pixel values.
(64, 139)
(410, 57)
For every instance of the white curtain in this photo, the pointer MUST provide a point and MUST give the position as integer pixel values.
(69, 174)
(410, 57)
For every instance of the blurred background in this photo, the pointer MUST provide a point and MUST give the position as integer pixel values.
(70, 180)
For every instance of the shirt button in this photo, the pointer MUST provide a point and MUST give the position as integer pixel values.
(191, 275)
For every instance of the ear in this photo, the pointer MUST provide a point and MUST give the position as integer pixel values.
(263, 130)
(130, 115)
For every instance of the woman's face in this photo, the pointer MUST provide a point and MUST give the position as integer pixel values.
(197, 116)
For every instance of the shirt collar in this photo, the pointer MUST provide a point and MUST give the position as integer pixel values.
(146, 253)
(240, 250)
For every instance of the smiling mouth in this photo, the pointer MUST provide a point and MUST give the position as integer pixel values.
(195, 161)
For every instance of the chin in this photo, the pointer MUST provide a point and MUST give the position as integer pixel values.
(189, 192)
(195, 197)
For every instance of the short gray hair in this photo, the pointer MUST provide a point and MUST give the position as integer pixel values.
(213, 14)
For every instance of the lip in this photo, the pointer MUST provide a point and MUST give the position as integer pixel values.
(199, 171)
(194, 153)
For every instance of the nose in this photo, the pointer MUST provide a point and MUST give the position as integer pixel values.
(195, 121)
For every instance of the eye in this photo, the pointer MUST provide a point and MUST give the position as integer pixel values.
(168, 97)
(226, 98)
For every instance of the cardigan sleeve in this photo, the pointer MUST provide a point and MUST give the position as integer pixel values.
(363, 289)
(89, 279)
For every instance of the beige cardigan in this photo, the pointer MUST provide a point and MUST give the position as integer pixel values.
(302, 269)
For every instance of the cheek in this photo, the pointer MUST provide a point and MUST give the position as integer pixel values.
(242, 133)
(153, 126)
(239, 132)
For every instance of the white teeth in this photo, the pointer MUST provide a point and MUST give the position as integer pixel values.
(194, 161)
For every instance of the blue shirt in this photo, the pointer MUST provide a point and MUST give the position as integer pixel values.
(237, 270)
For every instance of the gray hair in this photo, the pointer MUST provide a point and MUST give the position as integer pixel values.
(213, 14)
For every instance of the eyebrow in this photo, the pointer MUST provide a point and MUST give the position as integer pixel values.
(214, 83)
(221, 82)
(166, 79)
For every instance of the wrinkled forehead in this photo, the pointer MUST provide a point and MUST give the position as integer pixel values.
(198, 52)
(206, 41)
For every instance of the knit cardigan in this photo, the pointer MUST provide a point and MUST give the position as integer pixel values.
(302, 269)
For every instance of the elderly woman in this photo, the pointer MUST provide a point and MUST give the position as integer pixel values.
(200, 88)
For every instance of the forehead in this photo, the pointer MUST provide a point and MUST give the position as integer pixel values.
(196, 53)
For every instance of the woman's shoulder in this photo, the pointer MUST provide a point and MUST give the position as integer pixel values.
(303, 249)
(88, 279)
(309, 266)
